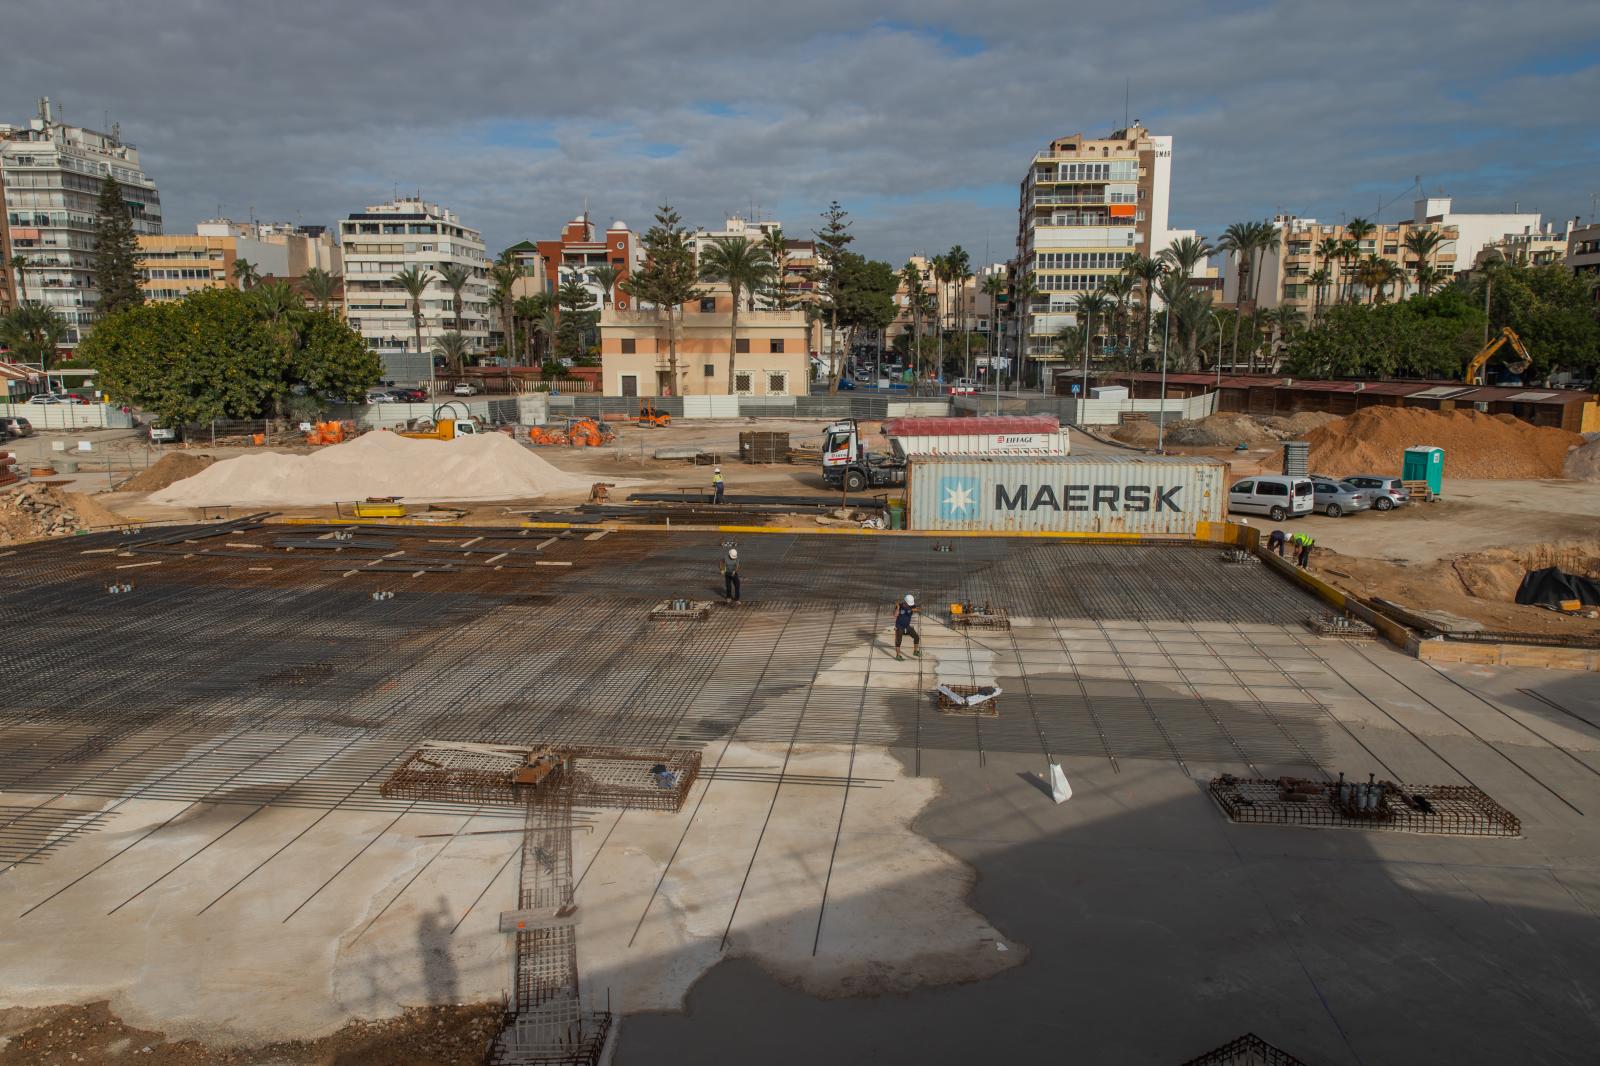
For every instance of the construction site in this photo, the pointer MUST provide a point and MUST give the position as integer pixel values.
(470, 750)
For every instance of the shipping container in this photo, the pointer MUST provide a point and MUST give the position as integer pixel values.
(983, 435)
(1143, 494)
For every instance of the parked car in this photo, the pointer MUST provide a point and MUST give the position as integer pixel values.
(1277, 497)
(75, 397)
(1335, 498)
(1387, 492)
(963, 386)
(160, 434)
(17, 426)
(44, 398)
(382, 396)
(846, 385)
(464, 388)
(412, 395)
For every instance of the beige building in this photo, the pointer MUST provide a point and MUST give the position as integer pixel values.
(175, 264)
(1287, 270)
(1583, 249)
(771, 357)
(1531, 247)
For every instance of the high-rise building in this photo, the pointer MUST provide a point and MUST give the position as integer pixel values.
(1288, 271)
(385, 239)
(51, 174)
(1087, 204)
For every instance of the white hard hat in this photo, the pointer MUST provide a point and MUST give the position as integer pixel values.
(733, 553)
(911, 601)
(716, 470)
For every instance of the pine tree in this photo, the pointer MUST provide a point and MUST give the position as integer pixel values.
(116, 253)
(832, 240)
(667, 279)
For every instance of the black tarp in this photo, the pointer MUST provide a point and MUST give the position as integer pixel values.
(1548, 587)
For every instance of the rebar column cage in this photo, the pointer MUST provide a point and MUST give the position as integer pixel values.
(1332, 624)
(1449, 810)
(607, 777)
(993, 618)
(1247, 1050)
(986, 709)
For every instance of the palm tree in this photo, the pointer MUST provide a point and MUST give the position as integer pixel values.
(1422, 243)
(32, 331)
(744, 267)
(1147, 271)
(1118, 288)
(994, 286)
(415, 281)
(940, 272)
(1239, 240)
(1429, 277)
(1375, 273)
(525, 309)
(777, 249)
(911, 279)
(504, 274)
(1185, 254)
(455, 277)
(960, 267)
(1328, 250)
(1087, 306)
(1357, 230)
(320, 286)
(1319, 280)
(245, 273)
(605, 275)
(1284, 321)
(16, 263)
(1174, 290)
(453, 346)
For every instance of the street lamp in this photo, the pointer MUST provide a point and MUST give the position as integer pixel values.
(1213, 316)
(1161, 418)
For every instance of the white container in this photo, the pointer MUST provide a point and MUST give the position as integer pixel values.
(1142, 494)
(982, 435)
(1109, 392)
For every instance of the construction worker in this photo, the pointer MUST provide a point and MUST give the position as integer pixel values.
(716, 484)
(1275, 542)
(730, 575)
(1302, 543)
(903, 613)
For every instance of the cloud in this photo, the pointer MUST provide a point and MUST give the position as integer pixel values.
(918, 117)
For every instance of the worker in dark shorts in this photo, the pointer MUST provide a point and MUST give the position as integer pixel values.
(730, 575)
(1276, 541)
(903, 613)
(1302, 545)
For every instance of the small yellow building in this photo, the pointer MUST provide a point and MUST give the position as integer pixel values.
(176, 264)
(772, 356)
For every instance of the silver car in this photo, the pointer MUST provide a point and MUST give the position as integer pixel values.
(1386, 492)
(1335, 498)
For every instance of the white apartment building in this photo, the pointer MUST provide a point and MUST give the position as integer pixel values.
(51, 175)
(1086, 205)
(1473, 231)
(1540, 247)
(385, 239)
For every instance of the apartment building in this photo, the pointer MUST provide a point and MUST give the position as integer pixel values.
(177, 264)
(279, 249)
(771, 356)
(1542, 247)
(1086, 205)
(582, 247)
(384, 239)
(1583, 249)
(51, 174)
(1473, 229)
(1287, 269)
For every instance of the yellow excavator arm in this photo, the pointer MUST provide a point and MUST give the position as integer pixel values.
(1474, 375)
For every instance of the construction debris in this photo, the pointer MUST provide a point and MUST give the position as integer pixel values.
(1454, 810)
(969, 699)
(34, 511)
(978, 616)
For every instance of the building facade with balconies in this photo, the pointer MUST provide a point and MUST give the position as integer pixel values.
(1288, 270)
(385, 239)
(51, 174)
(1087, 205)
(771, 356)
(582, 247)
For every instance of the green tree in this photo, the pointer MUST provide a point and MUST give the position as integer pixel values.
(504, 274)
(1422, 243)
(605, 275)
(1357, 230)
(777, 249)
(1023, 290)
(452, 346)
(744, 267)
(1426, 336)
(958, 268)
(667, 279)
(1319, 281)
(833, 239)
(994, 287)
(116, 251)
(16, 263)
(1328, 249)
(866, 296)
(32, 331)
(245, 273)
(332, 358)
(455, 277)
(1552, 309)
(320, 286)
(1147, 271)
(415, 281)
(577, 319)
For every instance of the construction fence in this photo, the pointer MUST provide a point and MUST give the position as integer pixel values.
(1080, 412)
(69, 415)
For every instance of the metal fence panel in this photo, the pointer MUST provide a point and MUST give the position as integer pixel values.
(69, 415)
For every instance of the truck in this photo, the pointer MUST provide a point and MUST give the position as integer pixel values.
(444, 429)
(847, 462)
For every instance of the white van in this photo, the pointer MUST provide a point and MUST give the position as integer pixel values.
(1274, 496)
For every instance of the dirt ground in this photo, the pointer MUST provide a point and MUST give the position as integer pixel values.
(91, 1034)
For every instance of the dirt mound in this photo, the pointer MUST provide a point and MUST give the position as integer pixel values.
(1298, 424)
(1495, 574)
(1221, 429)
(1476, 445)
(1138, 434)
(487, 467)
(171, 468)
(35, 511)
(1583, 464)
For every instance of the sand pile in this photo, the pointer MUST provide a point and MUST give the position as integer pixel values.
(487, 467)
(1583, 463)
(171, 468)
(1476, 445)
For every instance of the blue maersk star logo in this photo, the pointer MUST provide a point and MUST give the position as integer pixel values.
(958, 497)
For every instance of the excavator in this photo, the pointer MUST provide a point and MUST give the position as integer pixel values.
(1474, 375)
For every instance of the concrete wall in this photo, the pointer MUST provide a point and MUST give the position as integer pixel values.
(68, 415)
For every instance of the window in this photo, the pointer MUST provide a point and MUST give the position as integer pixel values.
(710, 370)
(742, 382)
(629, 346)
(708, 305)
(775, 345)
(777, 383)
(1272, 488)
(742, 346)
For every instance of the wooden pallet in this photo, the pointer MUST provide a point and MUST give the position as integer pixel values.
(1418, 490)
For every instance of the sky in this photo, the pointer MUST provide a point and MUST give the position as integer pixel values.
(920, 118)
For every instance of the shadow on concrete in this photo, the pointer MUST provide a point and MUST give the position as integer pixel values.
(439, 977)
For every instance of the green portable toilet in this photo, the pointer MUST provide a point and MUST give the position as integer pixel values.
(1424, 462)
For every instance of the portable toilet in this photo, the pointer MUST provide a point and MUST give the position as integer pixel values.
(1424, 462)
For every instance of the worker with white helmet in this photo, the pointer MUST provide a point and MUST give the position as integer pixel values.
(903, 612)
(716, 484)
(730, 575)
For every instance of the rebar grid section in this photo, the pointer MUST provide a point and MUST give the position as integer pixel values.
(1444, 810)
(1342, 626)
(1247, 1050)
(947, 706)
(591, 776)
(681, 611)
(986, 618)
